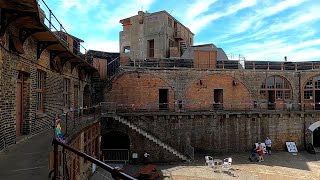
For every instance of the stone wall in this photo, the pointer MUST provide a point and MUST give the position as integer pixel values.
(212, 132)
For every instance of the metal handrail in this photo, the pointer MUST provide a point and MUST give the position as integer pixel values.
(116, 173)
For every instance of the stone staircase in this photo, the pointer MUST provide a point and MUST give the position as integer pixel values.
(151, 137)
(183, 46)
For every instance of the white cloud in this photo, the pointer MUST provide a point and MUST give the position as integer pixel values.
(102, 45)
(196, 24)
(276, 50)
(112, 17)
(261, 13)
(198, 7)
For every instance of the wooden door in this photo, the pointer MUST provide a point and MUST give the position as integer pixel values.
(19, 107)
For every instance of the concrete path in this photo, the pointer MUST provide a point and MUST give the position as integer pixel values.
(28, 159)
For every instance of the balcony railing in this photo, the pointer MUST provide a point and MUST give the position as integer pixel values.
(223, 64)
(202, 106)
(55, 26)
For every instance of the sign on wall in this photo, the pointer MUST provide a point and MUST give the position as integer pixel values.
(291, 146)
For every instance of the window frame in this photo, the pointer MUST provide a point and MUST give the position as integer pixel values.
(66, 93)
(40, 90)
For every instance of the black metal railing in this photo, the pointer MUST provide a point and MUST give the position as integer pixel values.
(71, 160)
(223, 64)
(203, 106)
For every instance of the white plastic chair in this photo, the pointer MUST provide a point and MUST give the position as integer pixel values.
(226, 165)
(209, 161)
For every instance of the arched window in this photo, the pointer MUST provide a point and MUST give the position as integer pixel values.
(312, 89)
(276, 86)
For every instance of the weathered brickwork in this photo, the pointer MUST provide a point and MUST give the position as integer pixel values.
(140, 91)
(211, 132)
(138, 143)
(13, 64)
(194, 88)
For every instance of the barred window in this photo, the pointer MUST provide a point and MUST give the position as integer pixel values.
(66, 93)
(308, 94)
(40, 90)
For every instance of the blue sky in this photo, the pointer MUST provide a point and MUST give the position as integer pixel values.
(253, 29)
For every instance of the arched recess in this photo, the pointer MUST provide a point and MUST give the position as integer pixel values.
(311, 93)
(115, 140)
(276, 91)
(315, 130)
(217, 91)
(138, 91)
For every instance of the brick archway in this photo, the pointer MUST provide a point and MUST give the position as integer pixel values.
(314, 130)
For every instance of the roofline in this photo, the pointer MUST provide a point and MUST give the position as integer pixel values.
(158, 12)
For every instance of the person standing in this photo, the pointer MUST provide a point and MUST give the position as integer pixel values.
(268, 145)
(260, 152)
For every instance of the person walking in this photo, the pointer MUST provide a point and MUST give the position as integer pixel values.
(268, 145)
(260, 152)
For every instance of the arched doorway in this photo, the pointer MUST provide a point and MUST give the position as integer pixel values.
(115, 146)
(316, 137)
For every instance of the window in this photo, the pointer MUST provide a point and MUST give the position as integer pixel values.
(151, 48)
(126, 49)
(40, 90)
(190, 40)
(307, 94)
(66, 93)
(276, 85)
(169, 22)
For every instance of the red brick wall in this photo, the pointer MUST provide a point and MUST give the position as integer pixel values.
(199, 96)
(140, 91)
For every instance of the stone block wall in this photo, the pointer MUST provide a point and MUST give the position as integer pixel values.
(213, 133)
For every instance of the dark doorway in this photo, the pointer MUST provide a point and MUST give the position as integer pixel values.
(115, 147)
(271, 100)
(151, 48)
(163, 99)
(115, 140)
(316, 137)
(218, 98)
(317, 99)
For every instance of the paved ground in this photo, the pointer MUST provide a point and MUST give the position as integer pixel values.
(279, 165)
(28, 159)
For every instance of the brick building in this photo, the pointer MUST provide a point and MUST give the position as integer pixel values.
(43, 71)
(202, 100)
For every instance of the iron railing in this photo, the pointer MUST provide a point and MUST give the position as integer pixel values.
(115, 155)
(74, 119)
(71, 160)
(201, 106)
(223, 64)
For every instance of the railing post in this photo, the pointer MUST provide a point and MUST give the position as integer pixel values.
(50, 14)
(55, 160)
(66, 134)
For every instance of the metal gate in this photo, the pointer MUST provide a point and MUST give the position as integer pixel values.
(115, 155)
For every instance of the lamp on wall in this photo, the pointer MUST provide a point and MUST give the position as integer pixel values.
(235, 82)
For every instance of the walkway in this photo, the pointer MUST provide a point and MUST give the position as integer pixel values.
(28, 159)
